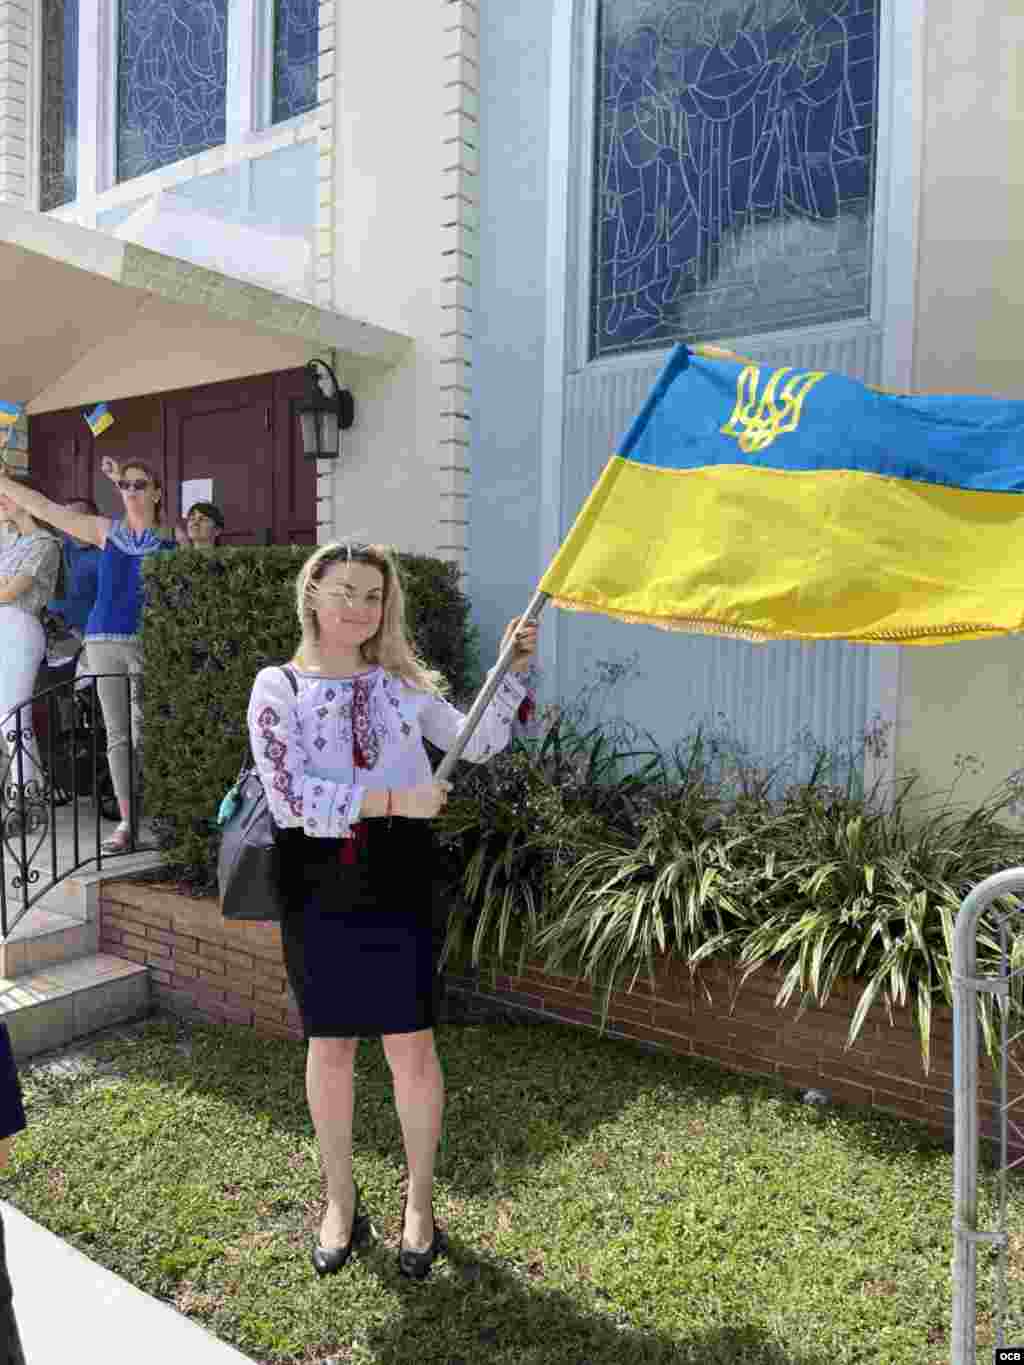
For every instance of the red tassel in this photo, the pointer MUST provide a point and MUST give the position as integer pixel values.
(347, 852)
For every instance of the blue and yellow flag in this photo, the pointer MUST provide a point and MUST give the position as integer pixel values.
(99, 419)
(774, 504)
(9, 414)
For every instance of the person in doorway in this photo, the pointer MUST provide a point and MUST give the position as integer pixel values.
(203, 524)
(12, 1120)
(349, 785)
(112, 630)
(29, 565)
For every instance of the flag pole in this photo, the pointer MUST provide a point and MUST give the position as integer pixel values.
(488, 690)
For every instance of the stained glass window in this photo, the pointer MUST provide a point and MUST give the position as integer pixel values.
(171, 82)
(296, 45)
(58, 132)
(734, 159)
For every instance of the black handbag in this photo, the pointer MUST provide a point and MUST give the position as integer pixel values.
(249, 861)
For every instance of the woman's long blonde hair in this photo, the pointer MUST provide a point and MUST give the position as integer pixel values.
(391, 647)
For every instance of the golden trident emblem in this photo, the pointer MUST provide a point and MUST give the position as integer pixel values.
(755, 422)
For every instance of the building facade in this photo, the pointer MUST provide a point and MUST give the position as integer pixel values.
(493, 221)
(824, 184)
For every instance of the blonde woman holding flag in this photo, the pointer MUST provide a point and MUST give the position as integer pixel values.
(338, 743)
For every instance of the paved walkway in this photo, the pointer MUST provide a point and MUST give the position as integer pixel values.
(69, 1308)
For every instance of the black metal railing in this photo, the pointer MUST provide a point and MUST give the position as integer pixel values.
(56, 761)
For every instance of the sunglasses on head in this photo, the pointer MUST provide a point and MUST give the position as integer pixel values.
(132, 485)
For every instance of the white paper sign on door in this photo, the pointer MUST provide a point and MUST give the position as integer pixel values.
(193, 491)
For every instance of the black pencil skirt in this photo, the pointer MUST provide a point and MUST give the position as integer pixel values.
(358, 931)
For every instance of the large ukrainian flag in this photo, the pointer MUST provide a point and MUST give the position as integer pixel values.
(793, 504)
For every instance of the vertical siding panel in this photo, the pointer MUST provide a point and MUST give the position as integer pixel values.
(766, 694)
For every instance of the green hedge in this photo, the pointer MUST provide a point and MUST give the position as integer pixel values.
(213, 619)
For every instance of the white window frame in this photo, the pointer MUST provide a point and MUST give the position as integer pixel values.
(897, 175)
(248, 103)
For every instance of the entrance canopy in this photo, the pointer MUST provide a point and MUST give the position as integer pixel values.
(89, 318)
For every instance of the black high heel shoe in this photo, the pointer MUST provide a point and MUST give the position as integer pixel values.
(415, 1265)
(330, 1262)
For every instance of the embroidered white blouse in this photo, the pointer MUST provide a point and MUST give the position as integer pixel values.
(319, 752)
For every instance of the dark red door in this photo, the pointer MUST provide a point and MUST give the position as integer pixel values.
(60, 447)
(242, 436)
(221, 435)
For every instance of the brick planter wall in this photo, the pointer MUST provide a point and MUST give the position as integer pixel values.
(203, 965)
(200, 963)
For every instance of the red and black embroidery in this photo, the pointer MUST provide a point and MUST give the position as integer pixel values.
(275, 751)
(366, 739)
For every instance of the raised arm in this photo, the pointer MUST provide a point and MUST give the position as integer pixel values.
(442, 724)
(81, 525)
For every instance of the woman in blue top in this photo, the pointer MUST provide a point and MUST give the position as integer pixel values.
(112, 630)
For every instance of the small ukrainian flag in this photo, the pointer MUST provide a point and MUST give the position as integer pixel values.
(99, 419)
(9, 413)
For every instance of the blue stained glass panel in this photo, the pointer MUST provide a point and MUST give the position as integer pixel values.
(734, 167)
(58, 141)
(171, 82)
(296, 48)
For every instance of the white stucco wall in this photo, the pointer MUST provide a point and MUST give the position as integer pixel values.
(404, 256)
(967, 699)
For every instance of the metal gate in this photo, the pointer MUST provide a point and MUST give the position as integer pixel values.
(55, 790)
(1001, 928)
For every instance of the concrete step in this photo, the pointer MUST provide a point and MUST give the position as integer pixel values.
(64, 923)
(44, 938)
(49, 1008)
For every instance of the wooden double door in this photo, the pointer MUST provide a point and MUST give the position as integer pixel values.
(242, 436)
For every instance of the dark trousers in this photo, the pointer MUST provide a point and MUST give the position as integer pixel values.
(11, 1352)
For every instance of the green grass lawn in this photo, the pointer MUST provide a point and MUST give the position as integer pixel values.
(604, 1205)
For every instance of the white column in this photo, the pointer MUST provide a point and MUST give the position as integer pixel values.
(97, 98)
(16, 103)
(555, 340)
(250, 56)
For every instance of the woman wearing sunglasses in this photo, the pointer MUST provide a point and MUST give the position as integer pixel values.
(112, 630)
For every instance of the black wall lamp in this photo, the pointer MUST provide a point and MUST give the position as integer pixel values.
(325, 412)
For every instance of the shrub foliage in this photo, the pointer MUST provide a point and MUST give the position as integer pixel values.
(574, 853)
